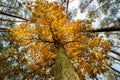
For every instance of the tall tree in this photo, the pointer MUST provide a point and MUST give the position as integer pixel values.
(51, 46)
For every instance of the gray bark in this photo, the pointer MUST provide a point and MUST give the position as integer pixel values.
(64, 70)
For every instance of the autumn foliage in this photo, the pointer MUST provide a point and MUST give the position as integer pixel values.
(49, 25)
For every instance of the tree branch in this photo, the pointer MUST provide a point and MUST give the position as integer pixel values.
(108, 29)
(117, 53)
(4, 30)
(113, 57)
(3, 13)
(115, 70)
(67, 6)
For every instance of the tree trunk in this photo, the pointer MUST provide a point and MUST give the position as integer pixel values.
(108, 29)
(3, 13)
(115, 52)
(64, 70)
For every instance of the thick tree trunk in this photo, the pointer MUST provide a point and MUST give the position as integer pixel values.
(64, 70)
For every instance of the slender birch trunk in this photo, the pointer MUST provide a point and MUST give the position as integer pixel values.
(64, 70)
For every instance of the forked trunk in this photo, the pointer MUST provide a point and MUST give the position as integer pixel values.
(64, 70)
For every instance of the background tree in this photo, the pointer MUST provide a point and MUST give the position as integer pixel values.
(12, 12)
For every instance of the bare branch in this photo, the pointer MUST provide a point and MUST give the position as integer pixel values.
(108, 29)
(4, 30)
(115, 70)
(117, 53)
(113, 57)
(67, 6)
(3, 13)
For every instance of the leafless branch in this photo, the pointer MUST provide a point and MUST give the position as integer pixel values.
(117, 53)
(113, 58)
(108, 29)
(3, 13)
(4, 30)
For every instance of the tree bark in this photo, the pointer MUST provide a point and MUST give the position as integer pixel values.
(3, 13)
(4, 30)
(115, 52)
(108, 29)
(64, 70)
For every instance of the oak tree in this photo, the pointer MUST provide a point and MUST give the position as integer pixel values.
(51, 46)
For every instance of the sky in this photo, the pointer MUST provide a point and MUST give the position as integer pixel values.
(76, 12)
